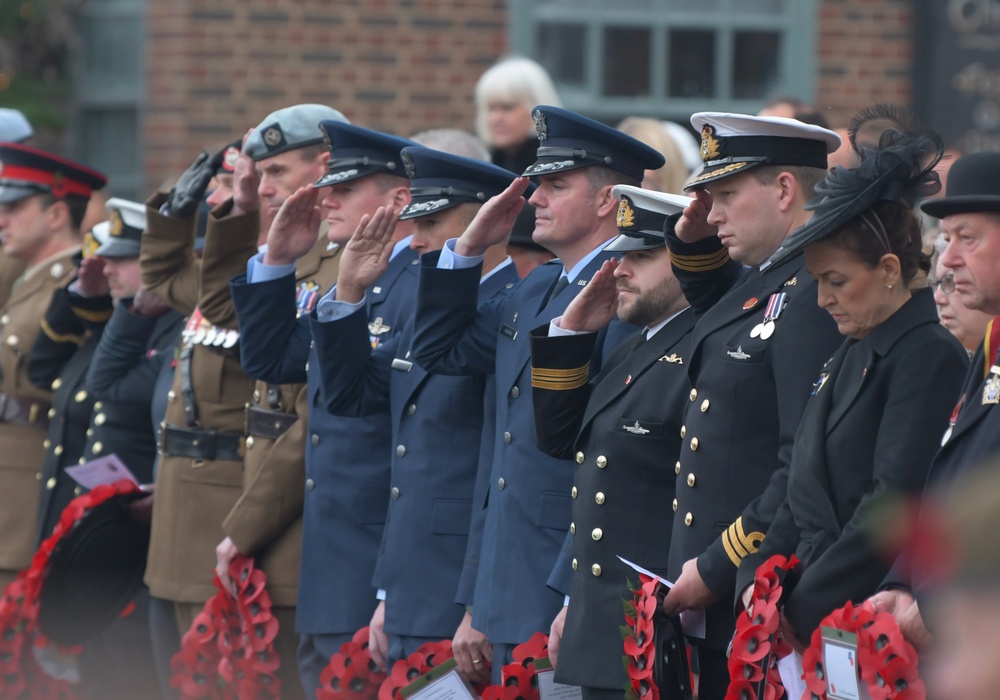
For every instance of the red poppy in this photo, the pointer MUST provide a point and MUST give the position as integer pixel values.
(537, 647)
(741, 690)
(403, 672)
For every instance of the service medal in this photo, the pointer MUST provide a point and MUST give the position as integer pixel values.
(991, 391)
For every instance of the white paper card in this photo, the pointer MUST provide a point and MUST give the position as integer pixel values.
(100, 471)
(790, 670)
(450, 686)
(548, 689)
(692, 621)
(840, 662)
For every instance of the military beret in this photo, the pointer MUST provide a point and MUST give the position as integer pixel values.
(25, 171)
(735, 143)
(568, 141)
(288, 129)
(441, 181)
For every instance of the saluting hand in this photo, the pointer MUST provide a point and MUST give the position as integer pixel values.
(366, 255)
(594, 307)
(494, 220)
(147, 304)
(90, 279)
(295, 229)
(693, 225)
(246, 180)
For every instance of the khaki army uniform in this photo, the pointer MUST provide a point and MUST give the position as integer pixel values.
(24, 408)
(10, 270)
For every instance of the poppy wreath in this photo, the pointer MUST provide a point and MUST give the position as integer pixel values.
(638, 635)
(229, 650)
(753, 661)
(428, 657)
(21, 674)
(887, 662)
(351, 673)
(519, 680)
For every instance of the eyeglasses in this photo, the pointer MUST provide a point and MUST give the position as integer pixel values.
(946, 284)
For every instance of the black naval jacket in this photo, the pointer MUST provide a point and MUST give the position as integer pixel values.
(622, 428)
(869, 431)
(748, 395)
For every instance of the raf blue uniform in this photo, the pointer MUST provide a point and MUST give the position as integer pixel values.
(528, 500)
(437, 421)
(347, 458)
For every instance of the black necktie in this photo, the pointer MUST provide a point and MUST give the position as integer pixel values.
(560, 285)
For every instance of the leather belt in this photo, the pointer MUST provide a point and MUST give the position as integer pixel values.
(34, 413)
(207, 445)
(261, 422)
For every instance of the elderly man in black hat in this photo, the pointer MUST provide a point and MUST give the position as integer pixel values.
(759, 344)
(970, 222)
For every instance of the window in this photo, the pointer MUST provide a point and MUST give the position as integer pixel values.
(108, 91)
(667, 58)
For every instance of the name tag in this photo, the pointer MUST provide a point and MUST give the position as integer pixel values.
(402, 365)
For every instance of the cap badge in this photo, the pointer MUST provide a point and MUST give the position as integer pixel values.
(626, 216)
(541, 130)
(230, 157)
(58, 187)
(411, 170)
(272, 136)
(709, 144)
(117, 226)
(1, 167)
(90, 245)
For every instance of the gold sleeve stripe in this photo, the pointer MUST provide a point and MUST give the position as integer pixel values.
(560, 379)
(94, 316)
(737, 543)
(733, 556)
(700, 263)
(59, 337)
(752, 542)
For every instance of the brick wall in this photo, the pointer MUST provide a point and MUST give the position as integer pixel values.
(217, 67)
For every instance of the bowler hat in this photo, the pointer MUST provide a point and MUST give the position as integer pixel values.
(973, 186)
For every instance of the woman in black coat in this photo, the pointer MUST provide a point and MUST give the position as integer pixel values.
(881, 403)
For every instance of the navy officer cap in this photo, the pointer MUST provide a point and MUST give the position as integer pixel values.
(642, 217)
(568, 141)
(126, 222)
(441, 181)
(25, 171)
(735, 143)
(288, 129)
(356, 152)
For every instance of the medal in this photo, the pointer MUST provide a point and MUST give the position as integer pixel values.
(991, 390)
(775, 305)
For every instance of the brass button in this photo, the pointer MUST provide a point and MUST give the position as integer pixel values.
(47, 444)
(602, 462)
(38, 476)
(52, 413)
(684, 431)
(256, 396)
(704, 406)
(411, 409)
(395, 493)
(51, 483)
(691, 480)
(400, 450)
(508, 438)
(97, 448)
(599, 498)
(171, 395)
(78, 490)
(572, 528)
(250, 442)
(4, 320)
(694, 444)
(576, 564)
(688, 519)
(579, 458)
(314, 440)
(597, 534)
(81, 396)
(693, 394)
(677, 467)
(573, 492)
(56, 383)
(310, 484)
(90, 432)
(675, 505)
(82, 460)
(515, 392)
(100, 418)
(98, 405)
(501, 484)
(596, 569)
(12, 340)
(57, 450)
